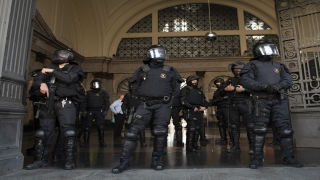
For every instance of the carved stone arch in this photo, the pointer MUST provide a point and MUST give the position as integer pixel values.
(212, 87)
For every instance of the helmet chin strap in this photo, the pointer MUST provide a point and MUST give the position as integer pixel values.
(267, 58)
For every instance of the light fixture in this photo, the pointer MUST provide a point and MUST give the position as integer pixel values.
(210, 36)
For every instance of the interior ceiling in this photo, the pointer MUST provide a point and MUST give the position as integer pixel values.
(91, 26)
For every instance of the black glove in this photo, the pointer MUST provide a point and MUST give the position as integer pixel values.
(104, 113)
(273, 88)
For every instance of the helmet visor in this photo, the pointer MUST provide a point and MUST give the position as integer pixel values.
(267, 49)
(96, 85)
(157, 53)
(61, 56)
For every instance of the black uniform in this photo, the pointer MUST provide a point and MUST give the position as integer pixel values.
(191, 98)
(221, 102)
(155, 84)
(63, 109)
(96, 107)
(129, 105)
(239, 106)
(266, 78)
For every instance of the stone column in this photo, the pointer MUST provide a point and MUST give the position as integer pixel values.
(16, 28)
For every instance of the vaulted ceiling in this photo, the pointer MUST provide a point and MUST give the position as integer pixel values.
(95, 27)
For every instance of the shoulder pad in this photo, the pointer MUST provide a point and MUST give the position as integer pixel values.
(166, 68)
(145, 68)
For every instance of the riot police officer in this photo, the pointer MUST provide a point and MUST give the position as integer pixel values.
(130, 103)
(222, 111)
(267, 79)
(96, 107)
(194, 102)
(58, 82)
(239, 104)
(155, 84)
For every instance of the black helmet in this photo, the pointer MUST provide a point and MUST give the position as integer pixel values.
(35, 72)
(191, 78)
(95, 84)
(265, 49)
(62, 56)
(218, 80)
(157, 52)
(236, 65)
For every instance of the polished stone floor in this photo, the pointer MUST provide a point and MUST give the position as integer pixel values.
(210, 156)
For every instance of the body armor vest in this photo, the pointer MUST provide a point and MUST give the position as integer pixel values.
(156, 83)
(194, 96)
(267, 72)
(95, 99)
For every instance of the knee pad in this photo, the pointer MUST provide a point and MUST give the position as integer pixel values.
(286, 132)
(260, 128)
(69, 133)
(159, 131)
(233, 126)
(192, 128)
(101, 127)
(39, 134)
(132, 133)
(198, 127)
(250, 125)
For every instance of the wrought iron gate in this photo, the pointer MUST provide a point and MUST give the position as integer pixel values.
(299, 24)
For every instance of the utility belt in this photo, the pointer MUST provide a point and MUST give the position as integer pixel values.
(57, 98)
(240, 101)
(94, 109)
(149, 101)
(264, 95)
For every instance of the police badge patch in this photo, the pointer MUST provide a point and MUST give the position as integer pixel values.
(163, 75)
(276, 70)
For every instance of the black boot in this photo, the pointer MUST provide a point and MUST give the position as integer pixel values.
(291, 162)
(69, 146)
(203, 137)
(143, 139)
(190, 139)
(124, 165)
(86, 138)
(101, 137)
(250, 137)
(258, 143)
(196, 138)
(179, 137)
(235, 131)
(39, 159)
(155, 164)
(223, 135)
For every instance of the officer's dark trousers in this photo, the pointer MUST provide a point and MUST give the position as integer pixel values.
(66, 116)
(118, 124)
(97, 115)
(222, 117)
(161, 118)
(177, 122)
(279, 115)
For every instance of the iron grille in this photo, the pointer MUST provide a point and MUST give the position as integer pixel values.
(253, 39)
(142, 26)
(252, 22)
(198, 47)
(195, 17)
(300, 30)
(133, 48)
